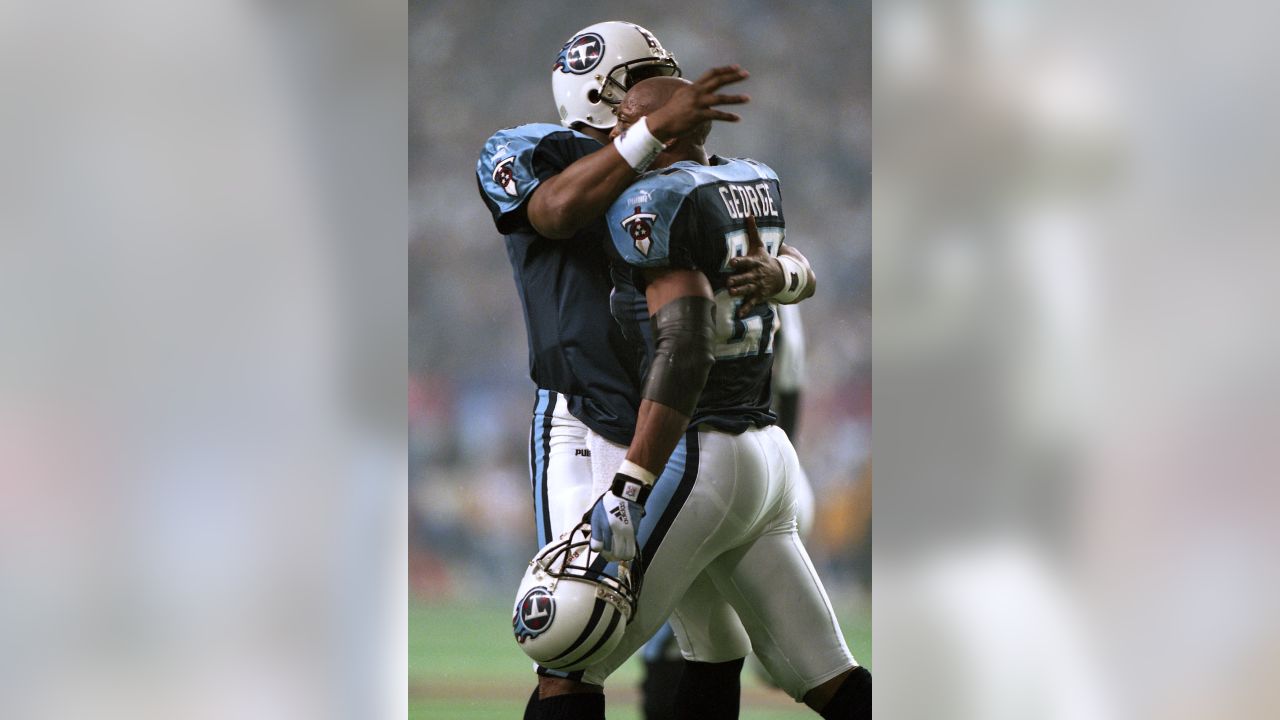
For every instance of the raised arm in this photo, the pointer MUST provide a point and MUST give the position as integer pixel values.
(683, 323)
(564, 203)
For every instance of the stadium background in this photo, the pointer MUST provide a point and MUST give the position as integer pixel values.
(479, 66)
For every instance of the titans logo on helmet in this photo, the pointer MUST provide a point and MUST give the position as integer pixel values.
(581, 54)
(534, 614)
(504, 175)
(640, 226)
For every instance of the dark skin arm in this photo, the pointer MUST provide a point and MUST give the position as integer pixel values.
(582, 192)
(758, 276)
(659, 427)
(563, 203)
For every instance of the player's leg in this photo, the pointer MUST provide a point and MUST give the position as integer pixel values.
(560, 478)
(713, 644)
(564, 699)
(606, 457)
(803, 492)
(673, 687)
(715, 675)
(709, 691)
(845, 697)
(683, 529)
(706, 626)
(663, 666)
(568, 483)
(559, 467)
(785, 609)
(662, 662)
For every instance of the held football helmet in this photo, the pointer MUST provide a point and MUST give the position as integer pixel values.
(568, 615)
(599, 64)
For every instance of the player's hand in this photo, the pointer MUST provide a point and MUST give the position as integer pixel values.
(757, 276)
(694, 104)
(614, 521)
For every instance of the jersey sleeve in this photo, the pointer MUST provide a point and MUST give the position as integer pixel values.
(652, 223)
(516, 160)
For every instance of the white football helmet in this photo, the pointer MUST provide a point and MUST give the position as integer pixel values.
(568, 612)
(597, 67)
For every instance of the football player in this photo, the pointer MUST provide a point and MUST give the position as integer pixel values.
(704, 494)
(547, 187)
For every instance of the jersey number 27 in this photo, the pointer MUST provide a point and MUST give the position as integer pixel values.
(752, 335)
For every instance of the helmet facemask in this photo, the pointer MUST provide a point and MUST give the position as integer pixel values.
(623, 77)
(573, 558)
(572, 606)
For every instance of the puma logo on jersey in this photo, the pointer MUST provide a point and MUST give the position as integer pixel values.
(581, 452)
(639, 225)
(641, 196)
(504, 174)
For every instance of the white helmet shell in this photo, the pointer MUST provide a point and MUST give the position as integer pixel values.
(566, 615)
(599, 64)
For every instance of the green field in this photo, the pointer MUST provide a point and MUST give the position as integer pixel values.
(464, 665)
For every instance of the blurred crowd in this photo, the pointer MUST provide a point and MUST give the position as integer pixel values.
(476, 67)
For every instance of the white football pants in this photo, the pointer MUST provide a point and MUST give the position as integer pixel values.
(724, 561)
(559, 467)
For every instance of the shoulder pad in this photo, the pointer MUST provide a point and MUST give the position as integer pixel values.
(505, 167)
(640, 219)
(730, 170)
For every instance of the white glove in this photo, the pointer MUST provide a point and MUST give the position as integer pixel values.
(616, 515)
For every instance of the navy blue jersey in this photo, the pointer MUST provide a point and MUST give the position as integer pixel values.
(565, 288)
(692, 216)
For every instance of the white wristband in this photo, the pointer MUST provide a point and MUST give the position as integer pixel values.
(631, 469)
(794, 280)
(638, 146)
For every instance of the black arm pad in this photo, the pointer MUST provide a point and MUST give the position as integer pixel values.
(683, 340)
